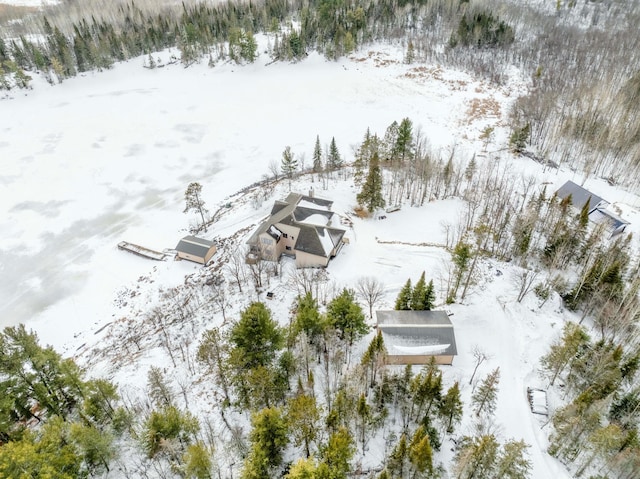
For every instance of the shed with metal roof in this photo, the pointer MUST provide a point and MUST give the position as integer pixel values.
(198, 250)
(415, 337)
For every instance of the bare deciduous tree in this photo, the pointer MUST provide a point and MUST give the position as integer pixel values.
(479, 357)
(524, 280)
(236, 267)
(371, 291)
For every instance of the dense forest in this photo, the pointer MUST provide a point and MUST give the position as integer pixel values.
(298, 402)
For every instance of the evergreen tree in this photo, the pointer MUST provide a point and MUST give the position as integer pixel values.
(31, 374)
(345, 315)
(461, 257)
(398, 463)
(361, 160)
(47, 454)
(476, 458)
(334, 160)
(317, 156)
(421, 453)
(485, 397)
(269, 434)
(288, 164)
(197, 462)
(429, 296)
(166, 427)
(256, 335)
(374, 356)
(336, 455)
(371, 194)
(95, 447)
(303, 417)
(564, 351)
(519, 137)
(403, 301)
(403, 146)
(419, 295)
(512, 463)
(450, 408)
(308, 319)
(303, 469)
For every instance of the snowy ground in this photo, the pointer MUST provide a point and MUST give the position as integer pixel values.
(30, 3)
(106, 157)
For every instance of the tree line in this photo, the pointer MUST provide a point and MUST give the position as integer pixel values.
(222, 31)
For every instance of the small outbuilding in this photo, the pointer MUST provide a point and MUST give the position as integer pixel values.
(198, 250)
(414, 337)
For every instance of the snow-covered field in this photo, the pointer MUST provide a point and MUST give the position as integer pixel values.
(107, 157)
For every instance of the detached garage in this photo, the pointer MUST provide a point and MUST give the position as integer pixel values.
(195, 249)
(415, 337)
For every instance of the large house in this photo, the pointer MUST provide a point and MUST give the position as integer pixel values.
(299, 226)
(415, 337)
(597, 207)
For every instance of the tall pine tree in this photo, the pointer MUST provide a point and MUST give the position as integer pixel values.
(371, 194)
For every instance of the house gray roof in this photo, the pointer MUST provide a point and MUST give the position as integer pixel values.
(194, 246)
(579, 196)
(318, 240)
(417, 333)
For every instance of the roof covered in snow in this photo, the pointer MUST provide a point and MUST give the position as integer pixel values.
(407, 333)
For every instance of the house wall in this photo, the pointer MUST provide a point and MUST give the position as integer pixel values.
(306, 260)
(418, 359)
(290, 241)
(210, 254)
(195, 259)
(268, 247)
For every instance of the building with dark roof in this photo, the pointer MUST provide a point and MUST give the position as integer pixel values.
(415, 337)
(580, 196)
(597, 207)
(302, 227)
(195, 249)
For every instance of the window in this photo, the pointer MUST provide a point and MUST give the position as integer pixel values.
(266, 241)
(285, 235)
(292, 237)
(288, 248)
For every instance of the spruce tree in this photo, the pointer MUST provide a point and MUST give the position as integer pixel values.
(485, 397)
(256, 336)
(317, 156)
(371, 194)
(269, 434)
(345, 315)
(288, 164)
(450, 408)
(303, 418)
(403, 146)
(421, 453)
(418, 295)
(429, 296)
(308, 319)
(403, 302)
(334, 160)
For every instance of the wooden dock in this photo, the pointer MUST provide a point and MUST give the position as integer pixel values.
(142, 251)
